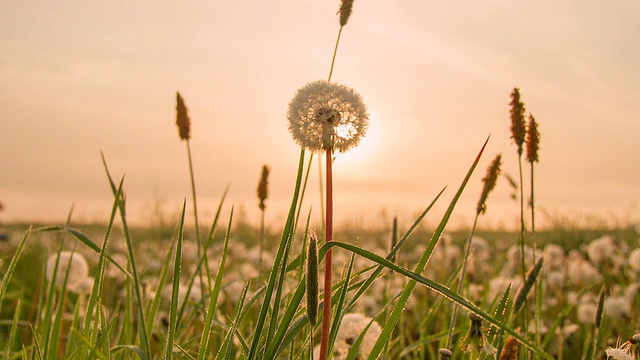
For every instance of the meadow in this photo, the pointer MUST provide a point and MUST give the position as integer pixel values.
(225, 289)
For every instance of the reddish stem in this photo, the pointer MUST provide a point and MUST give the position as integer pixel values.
(326, 311)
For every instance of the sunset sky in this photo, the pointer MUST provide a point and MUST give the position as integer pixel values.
(78, 77)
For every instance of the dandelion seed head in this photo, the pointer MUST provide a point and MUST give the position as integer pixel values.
(617, 307)
(601, 249)
(634, 260)
(324, 115)
(619, 354)
(72, 262)
(352, 325)
(586, 313)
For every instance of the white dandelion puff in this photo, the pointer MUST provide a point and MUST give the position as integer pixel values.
(324, 115)
(73, 263)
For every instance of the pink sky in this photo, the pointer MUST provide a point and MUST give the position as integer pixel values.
(78, 77)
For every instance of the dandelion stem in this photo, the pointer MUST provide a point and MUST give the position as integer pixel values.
(326, 310)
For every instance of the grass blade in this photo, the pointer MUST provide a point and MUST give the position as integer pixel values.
(173, 314)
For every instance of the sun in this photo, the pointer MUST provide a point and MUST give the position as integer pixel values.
(367, 148)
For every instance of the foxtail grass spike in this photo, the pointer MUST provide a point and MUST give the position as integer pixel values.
(263, 191)
(312, 278)
(511, 349)
(518, 128)
(533, 140)
(489, 183)
(182, 118)
(600, 307)
(345, 11)
(445, 354)
(522, 293)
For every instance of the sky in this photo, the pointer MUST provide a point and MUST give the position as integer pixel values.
(81, 77)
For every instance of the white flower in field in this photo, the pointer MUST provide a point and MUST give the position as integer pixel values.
(582, 272)
(631, 291)
(619, 354)
(514, 262)
(86, 285)
(586, 313)
(555, 280)
(73, 263)
(601, 249)
(112, 271)
(634, 260)
(553, 257)
(325, 115)
(617, 307)
(499, 284)
(626, 351)
(351, 327)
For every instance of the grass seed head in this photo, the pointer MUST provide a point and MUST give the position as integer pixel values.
(510, 350)
(345, 11)
(327, 116)
(489, 183)
(445, 354)
(182, 118)
(533, 140)
(518, 128)
(312, 278)
(263, 191)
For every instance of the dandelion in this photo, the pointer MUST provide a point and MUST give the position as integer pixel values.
(475, 341)
(601, 249)
(351, 327)
(327, 116)
(617, 307)
(68, 262)
(626, 351)
(586, 313)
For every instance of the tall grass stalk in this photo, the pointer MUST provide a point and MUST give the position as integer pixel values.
(137, 284)
(184, 131)
(287, 235)
(489, 181)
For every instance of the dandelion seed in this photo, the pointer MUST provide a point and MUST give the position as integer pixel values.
(182, 118)
(73, 263)
(518, 128)
(533, 140)
(345, 11)
(327, 116)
